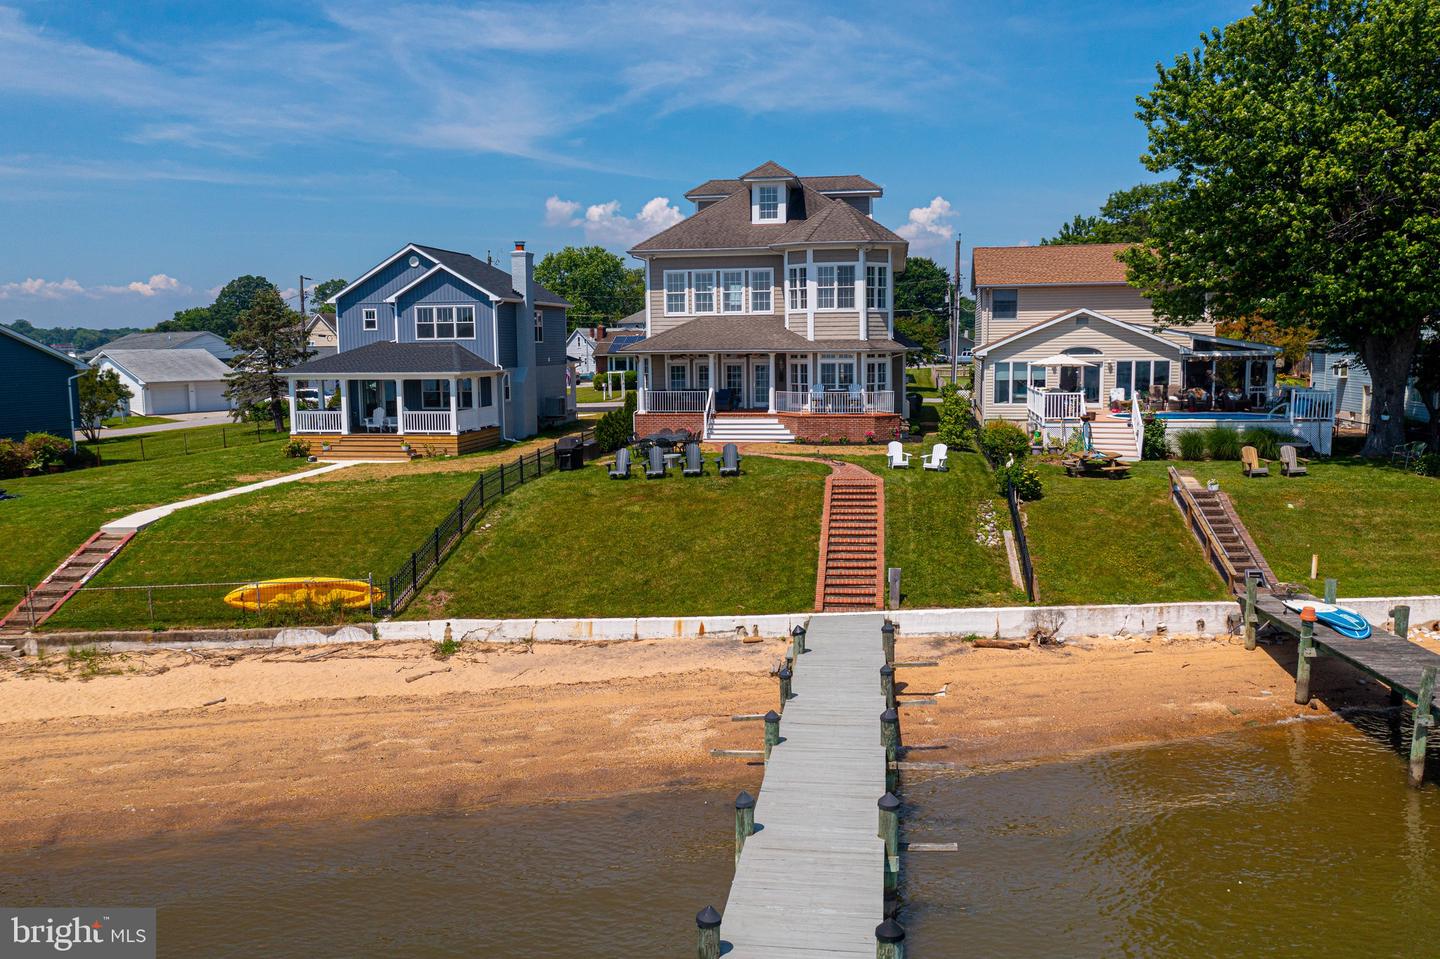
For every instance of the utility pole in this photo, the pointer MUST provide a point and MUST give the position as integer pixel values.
(302, 293)
(955, 316)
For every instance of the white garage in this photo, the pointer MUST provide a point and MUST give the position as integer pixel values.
(169, 381)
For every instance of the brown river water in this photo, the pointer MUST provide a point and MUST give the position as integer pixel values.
(1297, 840)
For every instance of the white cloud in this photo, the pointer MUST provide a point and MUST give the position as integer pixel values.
(159, 283)
(42, 289)
(604, 224)
(931, 226)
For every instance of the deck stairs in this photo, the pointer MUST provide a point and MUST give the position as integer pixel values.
(77, 570)
(852, 542)
(1114, 435)
(1232, 537)
(730, 428)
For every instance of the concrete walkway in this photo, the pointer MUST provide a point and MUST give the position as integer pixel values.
(142, 519)
(183, 421)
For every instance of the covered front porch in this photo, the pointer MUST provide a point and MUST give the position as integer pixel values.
(826, 383)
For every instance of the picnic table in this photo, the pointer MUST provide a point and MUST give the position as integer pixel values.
(1096, 463)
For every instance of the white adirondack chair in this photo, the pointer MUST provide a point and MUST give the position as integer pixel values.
(936, 458)
(899, 459)
(376, 423)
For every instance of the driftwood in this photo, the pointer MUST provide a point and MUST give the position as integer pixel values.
(411, 679)
(214, 702)
(984, 643)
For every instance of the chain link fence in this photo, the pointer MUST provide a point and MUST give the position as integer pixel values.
(253, 604)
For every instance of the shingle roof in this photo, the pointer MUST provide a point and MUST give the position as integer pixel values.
(152, 341)
(397, 358)
(168, 366)
(1068, 263)
(486, 275)
(767, 170)
(811, 218)
(725, 334)
(849, 183)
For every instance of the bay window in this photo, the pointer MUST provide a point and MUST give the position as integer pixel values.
(835, 287)
(845, 287)
(877, 374)
(444, 322)
(799, 288)
(877, 282)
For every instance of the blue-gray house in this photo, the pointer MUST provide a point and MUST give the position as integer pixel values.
(442, 352)
(1334, 370)
(37, 388)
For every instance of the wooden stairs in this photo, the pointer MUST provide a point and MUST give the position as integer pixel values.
(1222, 534)
(77, 570)
(852, 542)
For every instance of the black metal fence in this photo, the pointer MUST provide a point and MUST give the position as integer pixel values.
(405, 583)
(1017, 521)
(150, 446)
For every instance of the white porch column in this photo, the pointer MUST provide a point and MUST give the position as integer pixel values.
(345, 407)
(770, 406)
(400, 406)
(294, 412)
(642, 383)
(809, 293)
(862, 301)
(454, 406)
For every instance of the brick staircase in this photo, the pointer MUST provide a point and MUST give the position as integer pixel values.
(51, 594)
(852, 542)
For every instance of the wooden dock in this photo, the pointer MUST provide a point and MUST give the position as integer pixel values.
(811, 881)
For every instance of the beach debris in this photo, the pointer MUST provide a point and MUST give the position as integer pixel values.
(432, 672)
(998, 643)
(214, 702)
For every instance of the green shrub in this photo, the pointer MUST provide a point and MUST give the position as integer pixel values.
(614, 429)
(1025, 480)
(1266, 442)
(46, 450)
(954, 429)
(14, 458)
(627, 377)
(297, 449)
(1191, 443)
(82, 457)
(1003, 440)
(1154, 445)
(1222, 443)
(1427, 465)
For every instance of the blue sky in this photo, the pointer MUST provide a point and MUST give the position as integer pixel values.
(152, 151)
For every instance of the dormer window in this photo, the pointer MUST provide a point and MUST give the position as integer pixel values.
(769, 202)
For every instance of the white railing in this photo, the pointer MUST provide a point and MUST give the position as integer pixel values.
(1055, 406)
(709, 413)
(870, 401)
(676, 401)
(317, 421)
(1137, 424)
(426, 421)
(1312, 405)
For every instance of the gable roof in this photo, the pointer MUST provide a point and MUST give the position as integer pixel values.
(1041, 265)
(167, 366)
(847, 183)
(317, 319)
(1068, 314)
(41, 347)
(178, 340)
(477, 273)
(811, 217)
(769, 170)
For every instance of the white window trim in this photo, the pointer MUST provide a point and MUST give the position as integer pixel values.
(720, 289)
(761, 202)
(882, 271)
(369, 319)
(797, 289)
(714, 292)
(684, 292)
(751, 286)
(838, 286)
(457, 307)
(539, 325)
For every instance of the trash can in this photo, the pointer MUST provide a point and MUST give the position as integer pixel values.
(569, 454)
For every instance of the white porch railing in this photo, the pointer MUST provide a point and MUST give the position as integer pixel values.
(675, 401)
(868, 401)
(317, 421)
(1312, 405)
(1050, 407)
(426, 421)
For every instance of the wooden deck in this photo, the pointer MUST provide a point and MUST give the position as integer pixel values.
(810, 882)
(387, 446)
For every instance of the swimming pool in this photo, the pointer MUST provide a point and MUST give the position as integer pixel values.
(1219, 415)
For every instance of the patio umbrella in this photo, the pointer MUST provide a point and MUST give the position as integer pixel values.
(1061, 359)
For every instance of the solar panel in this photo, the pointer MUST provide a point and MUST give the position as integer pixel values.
(621, 341)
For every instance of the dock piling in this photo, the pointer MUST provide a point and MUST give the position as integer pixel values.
(890, 739)
(889, 940)
(1420, 735)
(1401, 616)
(707, 920)
(786, 674)
(772, 732)
(744, 821)
(797, 641)
(887, 639)
(887, 685)
(1305, 653)
(1332, 590)
(1251, 587)
(890, 833)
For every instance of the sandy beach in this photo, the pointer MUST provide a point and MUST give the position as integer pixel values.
(124, 747)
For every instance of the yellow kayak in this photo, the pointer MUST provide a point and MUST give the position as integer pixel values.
(304, 591)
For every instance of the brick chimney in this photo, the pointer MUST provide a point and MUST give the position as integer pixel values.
(524, 414)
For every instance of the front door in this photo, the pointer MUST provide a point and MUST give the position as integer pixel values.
(1070, 379)
(760, 384)
(735, 382)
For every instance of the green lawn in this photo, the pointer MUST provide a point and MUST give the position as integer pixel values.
(56, 513)
(200, 439)
(1372, 526)
(1114, 541)
(580, 544)
(589, 394)
(131, 422)
(931, 522)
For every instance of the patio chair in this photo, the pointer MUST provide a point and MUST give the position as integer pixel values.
(1291, 463)
(655, 468)
(729, 460)
(694, 463)
(376, 422)
(1406, 454)
(936, 460)
(621, 469)
(896, 456)
(1252, 464)
(817, 399)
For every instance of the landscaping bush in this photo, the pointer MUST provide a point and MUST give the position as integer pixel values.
(613, 430)
(1155, 446)
(1003, 440)
(1428, 465)
(954, 430)
(297, 449)
(1025, 480)
(627, 377)
(46, 450)
(14, 458)
(82, 457)
(1266, 442)
(1191, 443)
(1222, 443)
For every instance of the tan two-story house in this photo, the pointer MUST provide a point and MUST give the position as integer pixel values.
(769, 313)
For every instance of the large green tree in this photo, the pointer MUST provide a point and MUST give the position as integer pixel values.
(101, 395)
(272, 338)
(597, 282)
(323, 291)
(1124, 217)
(81, 338)
(1305, 144)
(922, 293)
(193, 319)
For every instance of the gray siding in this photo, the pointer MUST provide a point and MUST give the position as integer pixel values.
(1350, 390)
(552, 350)
(372, 293)
(507, 313)
(33, 395)
(442, 289)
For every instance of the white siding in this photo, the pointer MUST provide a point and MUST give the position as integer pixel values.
(1036, 304)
